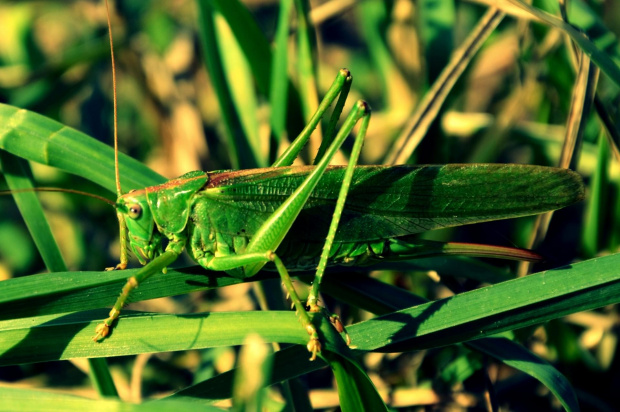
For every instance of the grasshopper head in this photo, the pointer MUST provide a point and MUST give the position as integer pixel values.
(145, 240)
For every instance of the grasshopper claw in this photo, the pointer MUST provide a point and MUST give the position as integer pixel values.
(314, 308)
(314, 347)
(101, 331)
(120, 266)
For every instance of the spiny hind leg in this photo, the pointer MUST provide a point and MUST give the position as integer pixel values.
(314, 345)
(274, 228)
(333, 319)
(361, 111)
(234, 262)
(329, 241)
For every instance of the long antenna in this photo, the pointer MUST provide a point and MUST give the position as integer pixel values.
(57, 189)
(116, 171)
(124, 258)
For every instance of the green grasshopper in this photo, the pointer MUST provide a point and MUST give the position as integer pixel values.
(309, 217)
(239, 221)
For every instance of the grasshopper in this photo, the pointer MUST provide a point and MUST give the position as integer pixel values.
(309, 217)
(239, 221)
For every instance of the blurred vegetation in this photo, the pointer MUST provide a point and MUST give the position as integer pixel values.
(514, 103)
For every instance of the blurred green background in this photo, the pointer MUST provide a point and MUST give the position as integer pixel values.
(510, 105)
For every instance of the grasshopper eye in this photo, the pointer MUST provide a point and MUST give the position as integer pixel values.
(134, 211)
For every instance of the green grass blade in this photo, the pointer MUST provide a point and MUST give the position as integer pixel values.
(258, 53)
(423, 116)
(240, 153)
(356, 391)
(306, 57)
(581, 14)
(278, 92)
(99, 373)
(17, 173)
(374, 17)
(293, 362)
(518, 357)
(600, 57)
(251, 39)
(381, 298)
(563, 278)
(515, 304)
(238, 76)
(437, 32)
(40, 139)
(70, 335)
(510, 353)
(60, 292)
(36, 400)
(598, 203)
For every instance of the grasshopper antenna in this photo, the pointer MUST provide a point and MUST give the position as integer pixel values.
(116, 171)
(124, 258)
(57, 189)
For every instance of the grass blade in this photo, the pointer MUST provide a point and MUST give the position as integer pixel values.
(40, 139)
(602, 59)
(518, 357)
(240, 82)
(598, 203)
(35, 400)
(240, 153)
(278, 94)
(17, 173)
(381, 298)
(516, 304)
(427, 109)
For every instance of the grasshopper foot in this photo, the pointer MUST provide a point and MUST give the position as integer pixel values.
(314, 308)
(120, 266)
(334, 320)
(101, 331)
(314, 345)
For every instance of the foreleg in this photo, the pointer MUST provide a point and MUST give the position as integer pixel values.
(157, 265)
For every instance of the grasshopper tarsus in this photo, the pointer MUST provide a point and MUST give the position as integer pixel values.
(314, 308)
(314, 344)
(101, 332)
(314, 347)
(120, 266)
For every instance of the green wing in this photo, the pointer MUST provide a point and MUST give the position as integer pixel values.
(391, 201)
